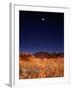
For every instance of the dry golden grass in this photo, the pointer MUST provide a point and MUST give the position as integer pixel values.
(32, 67)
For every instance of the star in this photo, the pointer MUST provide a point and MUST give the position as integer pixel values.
(43, 19)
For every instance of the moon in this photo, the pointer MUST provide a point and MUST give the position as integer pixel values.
(43, 19)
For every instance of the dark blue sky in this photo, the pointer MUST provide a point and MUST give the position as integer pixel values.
(41, 31)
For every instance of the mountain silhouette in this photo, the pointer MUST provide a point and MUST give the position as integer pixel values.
(48, 55)
(41, 54)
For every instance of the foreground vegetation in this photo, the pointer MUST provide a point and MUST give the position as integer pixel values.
(33, 66)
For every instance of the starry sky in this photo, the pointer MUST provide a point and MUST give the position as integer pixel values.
(41, 31)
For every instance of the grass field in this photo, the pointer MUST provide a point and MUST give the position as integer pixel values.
(40, 66)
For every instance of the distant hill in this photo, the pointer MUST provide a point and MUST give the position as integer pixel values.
(48, 55)
(40, 55)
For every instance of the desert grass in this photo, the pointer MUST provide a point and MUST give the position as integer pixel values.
(32, 67)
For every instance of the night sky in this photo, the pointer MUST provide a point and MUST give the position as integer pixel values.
(41, 31)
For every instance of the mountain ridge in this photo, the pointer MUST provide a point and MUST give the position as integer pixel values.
(41, 55)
